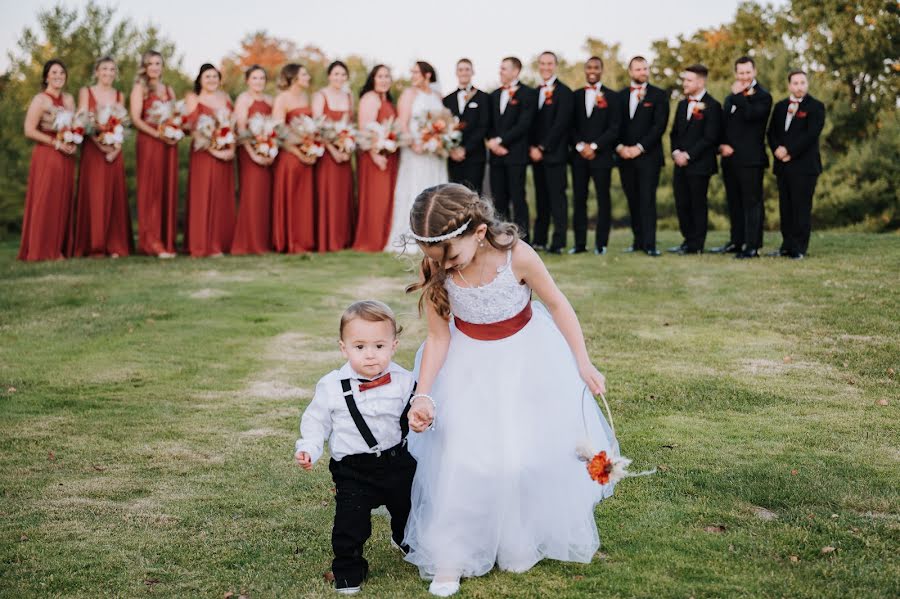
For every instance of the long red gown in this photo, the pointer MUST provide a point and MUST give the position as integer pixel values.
(157, 188)
(293, 200)
(253, 233)
(210, 210)
(46, 227)
(376, 194)
(102, 216)
(334, 197)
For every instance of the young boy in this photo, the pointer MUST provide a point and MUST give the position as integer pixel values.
(362, 410)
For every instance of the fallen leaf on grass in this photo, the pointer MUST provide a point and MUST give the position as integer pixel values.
(51, 456)
(795, 559)
(578, 577)
(882, 402)
(328, 576)
(890, 373)
(662, 468)
(763, 514)
(788, 359)
(716, 528)
(23, 538)
(827, 550)
(795, 472)
(151, 581)
(98, 468)
(11, 390)
(228, 595)
(600, 555)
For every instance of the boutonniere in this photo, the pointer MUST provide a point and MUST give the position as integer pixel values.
(801, 114)
(601, 100)
(647, 104)
(697, 112)
(792, 108)
(470, 95)
(642, 94)
(548, 96)
(512, 96)
(749, 91)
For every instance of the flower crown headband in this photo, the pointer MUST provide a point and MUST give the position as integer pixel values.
(443, 237)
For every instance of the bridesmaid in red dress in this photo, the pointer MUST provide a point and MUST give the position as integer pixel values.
(253, 233)
(210, 202)
(156, 162)
(102, 217)
(334, 173)
(377, 172)
(293, 196)
(51, 178)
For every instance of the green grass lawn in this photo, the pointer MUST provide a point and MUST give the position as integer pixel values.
(148, 411)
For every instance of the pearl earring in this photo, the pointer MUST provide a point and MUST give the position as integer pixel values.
(481, 243)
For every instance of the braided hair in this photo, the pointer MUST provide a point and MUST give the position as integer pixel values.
(439, 210)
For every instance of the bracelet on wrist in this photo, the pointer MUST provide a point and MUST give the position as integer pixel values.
(433, 404)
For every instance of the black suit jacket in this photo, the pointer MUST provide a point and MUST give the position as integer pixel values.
(602, 127)
(550, 129)
(648, 125)
(801, 139)
(699, 135)
(744, 121)
(475, 120)
(514, 125)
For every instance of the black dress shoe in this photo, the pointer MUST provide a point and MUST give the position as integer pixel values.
(601, 251)
(677, 249)
(557, 251)
(653, 253)
(777, 254)
(631, 250)
(539, 248)
(728, 248)
(577, 250)
(747, 254)
(797, 256)
(689, 252)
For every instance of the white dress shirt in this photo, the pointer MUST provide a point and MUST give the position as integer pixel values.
(793, 106)
(590, 97)
(461, 97)
(504, 96)
(547, 85)
(327, 416)
(634, 100)
(693, 101)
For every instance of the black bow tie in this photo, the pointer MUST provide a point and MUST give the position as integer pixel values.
(465, 89)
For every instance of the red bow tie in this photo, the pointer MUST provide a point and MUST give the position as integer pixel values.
(590, 87)
(365, 385)
(506, 87)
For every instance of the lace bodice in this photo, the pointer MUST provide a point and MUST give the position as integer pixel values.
(424, 103)
(501, 299)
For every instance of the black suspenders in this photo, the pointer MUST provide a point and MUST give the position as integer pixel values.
(360, 422)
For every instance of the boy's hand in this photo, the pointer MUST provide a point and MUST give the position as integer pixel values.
(303, 460)
(421, 414)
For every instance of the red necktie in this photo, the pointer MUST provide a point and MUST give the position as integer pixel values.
(382, 380)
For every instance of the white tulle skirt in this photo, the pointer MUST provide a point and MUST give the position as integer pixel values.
(498, 479)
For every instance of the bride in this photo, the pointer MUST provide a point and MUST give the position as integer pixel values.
(418, 170)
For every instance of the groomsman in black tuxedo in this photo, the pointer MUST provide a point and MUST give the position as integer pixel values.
(512, 111)
(694, 139)
(597, 120)
(473, 107)
(794, 131)
(549, 153)
(645, 117)
(744, 158)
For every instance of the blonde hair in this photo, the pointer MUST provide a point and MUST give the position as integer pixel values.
(371, 311)
(141, 76)
(444, 208)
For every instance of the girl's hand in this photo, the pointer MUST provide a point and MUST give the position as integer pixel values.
(421, 414)
(595, 381)
(379, 160)
(111, 156)
(303, 460)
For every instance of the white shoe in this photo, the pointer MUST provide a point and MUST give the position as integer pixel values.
(444, 589)
(348, 590)
(165, 255)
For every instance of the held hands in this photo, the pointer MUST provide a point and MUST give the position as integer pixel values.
(113, 154)
(224, 155)
(781, 154)
(595, 381)
(303, 460)
(680, 158)
(421, 414)
(535, 154)
(588, 153)
(628, 152)
(380, 160)
(260, 160)
(338, 156)
(726, 151)
(458, 154)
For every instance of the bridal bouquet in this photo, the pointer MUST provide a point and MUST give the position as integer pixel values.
(380, 137)
(108, 124)
(214, 132)
(168, 118)
(305, 132)
(70, 127)
(341, 134)
(438, 132)
(262, 132)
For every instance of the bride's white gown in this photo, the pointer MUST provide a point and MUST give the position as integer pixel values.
(417, 172)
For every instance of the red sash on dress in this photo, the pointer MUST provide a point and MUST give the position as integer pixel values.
(495, 330)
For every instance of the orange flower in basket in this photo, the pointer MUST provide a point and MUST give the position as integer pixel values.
(600, 468)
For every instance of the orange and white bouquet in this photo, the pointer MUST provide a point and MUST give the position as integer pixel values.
(70, 127)
(305, 132)
(214, 132)
(438, 132)
(108, 124)
(262, 132)
(341, 134)
(168, 118)
(383, 137)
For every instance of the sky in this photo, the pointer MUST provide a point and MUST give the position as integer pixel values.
(401, 31)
